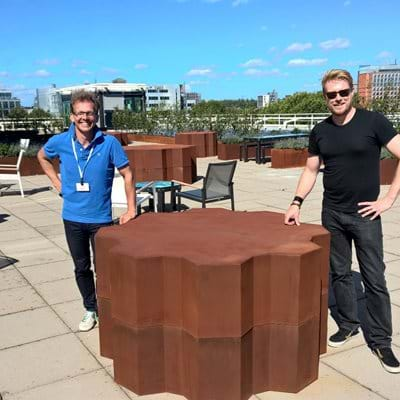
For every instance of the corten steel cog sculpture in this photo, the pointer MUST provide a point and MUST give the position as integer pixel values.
(213, 304)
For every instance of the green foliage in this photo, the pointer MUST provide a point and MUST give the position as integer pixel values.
(300, 102)
(230, 139)
(39, 113)
(12, 150)
(292, 143)
(389, 103)
(385, 153)
(18, 113)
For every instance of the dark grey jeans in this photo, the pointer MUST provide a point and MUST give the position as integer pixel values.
(79, 238)
(367, 237)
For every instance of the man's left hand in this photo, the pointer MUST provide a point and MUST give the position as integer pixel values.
(124, 218)
(375, 208)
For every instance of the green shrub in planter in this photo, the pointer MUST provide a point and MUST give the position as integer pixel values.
(292, 143)
(385, 154)
(12, 150)
(231, 139)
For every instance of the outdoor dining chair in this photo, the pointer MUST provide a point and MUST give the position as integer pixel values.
(217, 185)
(11, 172)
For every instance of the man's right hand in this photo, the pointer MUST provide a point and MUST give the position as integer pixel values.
(292, 216)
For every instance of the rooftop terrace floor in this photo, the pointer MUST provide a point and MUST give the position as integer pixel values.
(43, 356)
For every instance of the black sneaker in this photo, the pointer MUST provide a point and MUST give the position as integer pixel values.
(342, 336)
(388, 359)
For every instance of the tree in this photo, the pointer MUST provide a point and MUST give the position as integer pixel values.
(18, 113)
(300, 102)
(208, 108)
(39, 113)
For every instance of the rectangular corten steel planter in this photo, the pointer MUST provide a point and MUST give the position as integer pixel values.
(210, 305)
(288, 158)
(163, 162)
(205, 142)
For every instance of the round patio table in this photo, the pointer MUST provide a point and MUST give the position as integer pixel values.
(159, 188)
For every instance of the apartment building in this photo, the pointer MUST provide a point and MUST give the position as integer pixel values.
(376, 81)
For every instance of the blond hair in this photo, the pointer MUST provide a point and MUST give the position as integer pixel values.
(337, 74)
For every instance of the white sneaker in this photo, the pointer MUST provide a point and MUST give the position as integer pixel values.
(88, 322)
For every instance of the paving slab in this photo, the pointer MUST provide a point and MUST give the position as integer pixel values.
(13, 235)
(17, 328)
(70, 312)
(19, 299)
(91, 341)
(42, 273)
(11, 278)
(34, 256)
(96, 385)
(58, 291)
(360, 365)
(43, 362)
(331, 385)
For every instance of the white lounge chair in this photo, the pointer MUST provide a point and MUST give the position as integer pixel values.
(10, 172)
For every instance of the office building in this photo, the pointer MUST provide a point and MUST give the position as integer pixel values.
(49, 99)
(7, 103)
(374, 82)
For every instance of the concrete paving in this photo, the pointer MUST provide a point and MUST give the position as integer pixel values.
(43, 356)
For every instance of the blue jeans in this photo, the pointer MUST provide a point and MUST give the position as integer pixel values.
(79, 238)
(367, 237)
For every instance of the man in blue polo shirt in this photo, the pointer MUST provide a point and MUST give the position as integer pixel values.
(88, 158)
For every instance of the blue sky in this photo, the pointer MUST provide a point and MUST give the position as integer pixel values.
(224, 49)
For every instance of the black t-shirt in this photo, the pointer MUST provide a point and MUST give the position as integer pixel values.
(351, 155)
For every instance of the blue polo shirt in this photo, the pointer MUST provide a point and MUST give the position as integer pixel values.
(93, 206)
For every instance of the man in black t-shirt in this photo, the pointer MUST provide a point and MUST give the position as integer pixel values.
(349, 144)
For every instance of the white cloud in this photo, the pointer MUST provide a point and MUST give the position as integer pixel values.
(302, 62)
(385, 54)
(255, 62)
(236, 3)
(294, 47)
(78, 63)
(339, 43)
(41, 73)
(4, 73)
(84, 72)
(141, 66)
(109, 70)
(261, 72)
(199, 72)
(198, 83)
(48, 61)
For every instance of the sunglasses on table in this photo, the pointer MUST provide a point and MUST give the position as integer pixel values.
(341, 93)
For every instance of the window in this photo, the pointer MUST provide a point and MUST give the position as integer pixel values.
(164, 97)
(163, 90)
(153, 97)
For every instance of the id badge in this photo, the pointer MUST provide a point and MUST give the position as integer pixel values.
(82, 187)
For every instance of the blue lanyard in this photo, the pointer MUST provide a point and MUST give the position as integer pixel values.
(81, 171)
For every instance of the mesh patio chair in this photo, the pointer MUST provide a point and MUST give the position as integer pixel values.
(217, 185)
(10, 172)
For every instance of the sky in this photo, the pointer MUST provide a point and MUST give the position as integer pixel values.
(223, 49)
